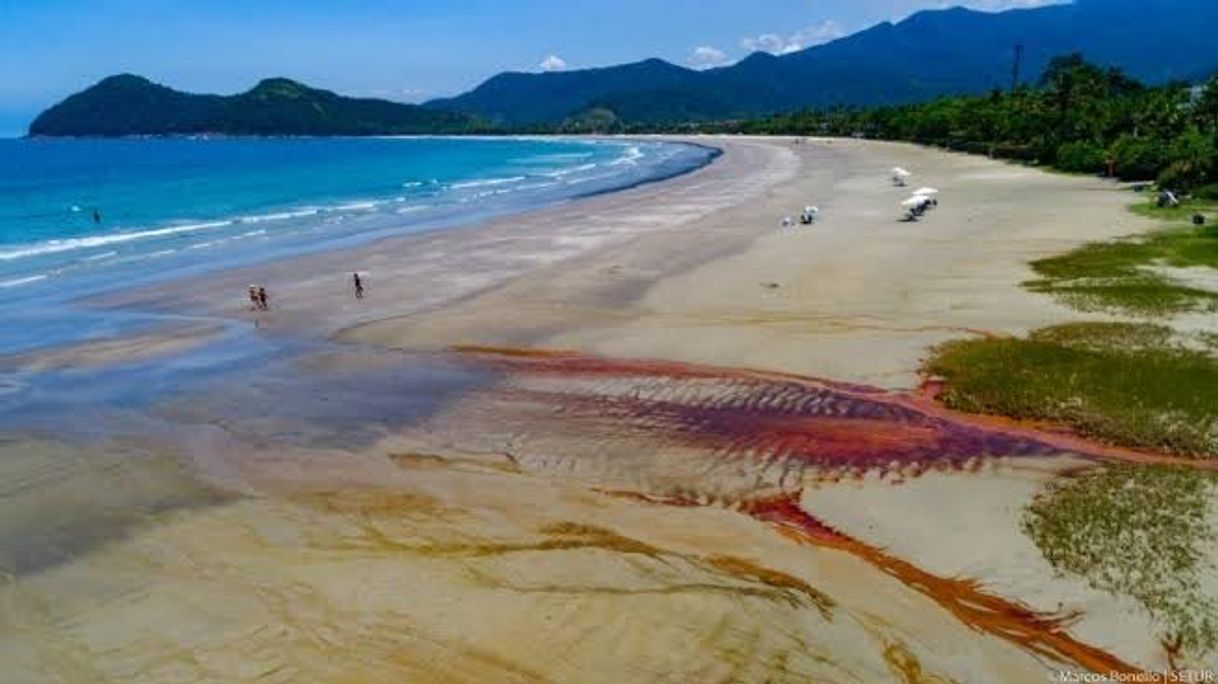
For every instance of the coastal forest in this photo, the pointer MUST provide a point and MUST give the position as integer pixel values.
(1079, 117)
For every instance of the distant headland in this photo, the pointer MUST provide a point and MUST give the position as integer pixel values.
(126, 104)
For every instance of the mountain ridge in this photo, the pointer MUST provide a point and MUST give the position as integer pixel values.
(127, 104)
(931, 53)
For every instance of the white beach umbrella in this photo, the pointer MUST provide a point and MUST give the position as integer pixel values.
(928, 192)
(898, 172)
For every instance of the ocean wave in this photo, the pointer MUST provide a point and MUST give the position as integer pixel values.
(99, 257)
(633, 154)
(366, 205)
(71, 244)
(556, 158)
(488, 181)
(589, 179)
(17, 282)
(13, 252)
(538, 186)
(562, 173)
(279, 216)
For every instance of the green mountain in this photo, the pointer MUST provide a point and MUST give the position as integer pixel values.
(131, 105)
(932, 53)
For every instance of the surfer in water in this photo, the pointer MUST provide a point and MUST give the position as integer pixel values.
(96, 215)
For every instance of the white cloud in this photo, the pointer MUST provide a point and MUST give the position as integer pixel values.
(553, 63)
(778, 44)
(706, 56)
(895, 10)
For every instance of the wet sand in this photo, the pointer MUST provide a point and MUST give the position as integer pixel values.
(728, 476)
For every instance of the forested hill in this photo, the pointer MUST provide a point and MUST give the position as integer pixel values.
(131, 105)
(932, 53)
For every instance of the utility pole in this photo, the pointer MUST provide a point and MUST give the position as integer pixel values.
(1016, 67)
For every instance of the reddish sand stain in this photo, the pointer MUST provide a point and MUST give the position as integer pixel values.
(828, 422)
(807, 423)
(1038, 632)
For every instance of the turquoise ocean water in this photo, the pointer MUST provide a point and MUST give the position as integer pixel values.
(172, 207)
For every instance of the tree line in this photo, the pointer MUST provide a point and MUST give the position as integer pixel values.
(1078, 117)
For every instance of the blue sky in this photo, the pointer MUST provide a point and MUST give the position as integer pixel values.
(407, 50)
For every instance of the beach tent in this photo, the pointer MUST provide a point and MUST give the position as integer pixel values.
(916, 206)
(930, 194)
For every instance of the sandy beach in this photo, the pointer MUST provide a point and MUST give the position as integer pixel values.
(649, 436)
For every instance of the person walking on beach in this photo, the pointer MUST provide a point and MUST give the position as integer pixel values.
(359, 285)
(262, 299)
(255, 302)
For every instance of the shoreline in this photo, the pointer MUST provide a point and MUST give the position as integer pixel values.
(347, 224)
(180, 295)
(665, 299)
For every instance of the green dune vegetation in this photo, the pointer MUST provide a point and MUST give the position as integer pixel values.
(1131, 384)
(1137, 275)
(1137, 531)
(1136, 383)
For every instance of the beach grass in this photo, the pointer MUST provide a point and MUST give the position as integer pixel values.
(1124, 276)
(1130, 384)
(1137, 531)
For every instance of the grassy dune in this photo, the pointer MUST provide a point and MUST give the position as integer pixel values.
(1137, 531)
(1121, 276)
(1124, 383)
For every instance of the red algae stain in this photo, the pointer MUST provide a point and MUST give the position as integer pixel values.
(1040, 633)
(820, 421)
(807, 424)
(1037, 632)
